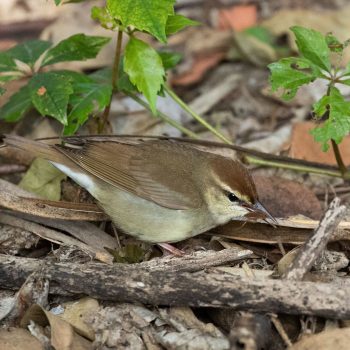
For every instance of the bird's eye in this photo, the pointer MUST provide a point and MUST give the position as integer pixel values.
(232, 197)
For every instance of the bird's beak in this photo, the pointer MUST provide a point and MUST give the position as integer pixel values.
(258, 211)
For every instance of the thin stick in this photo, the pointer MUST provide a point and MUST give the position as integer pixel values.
(311, 250)
(163, 116)
(185, 107)
(104, 118)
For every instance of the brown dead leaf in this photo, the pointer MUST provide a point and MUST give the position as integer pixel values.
(237, 17)
(18, 339)
(285, 198)
(63, 336)
(201, 65)
(303, 146)
(75, 313)
(333, 339)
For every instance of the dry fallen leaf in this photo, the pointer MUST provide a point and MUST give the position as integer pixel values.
(63, 336)
(284, 198)
(237, 17)
(43, 179)
(18, 339)
(75, 313)
(201, 66)
(303, 146)
(338, 339)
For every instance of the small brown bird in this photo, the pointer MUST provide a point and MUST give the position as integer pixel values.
(156, 190)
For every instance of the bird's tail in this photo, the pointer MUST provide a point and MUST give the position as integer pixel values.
(37, 148)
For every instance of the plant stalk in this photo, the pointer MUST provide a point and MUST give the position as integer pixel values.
(295, 167)
(338, 158)
(104, 118)
(185, 107)
(342, 168)
(163, 116)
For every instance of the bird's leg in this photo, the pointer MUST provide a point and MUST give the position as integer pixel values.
(170, 248)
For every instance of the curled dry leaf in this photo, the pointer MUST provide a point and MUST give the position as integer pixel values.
(332, 339)
(75, 313)
(43, 179)
(62, 334)
(18, 339)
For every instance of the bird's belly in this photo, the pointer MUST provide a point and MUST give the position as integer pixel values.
(150, 222)
(142, 218)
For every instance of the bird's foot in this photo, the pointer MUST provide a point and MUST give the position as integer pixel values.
(166, 247)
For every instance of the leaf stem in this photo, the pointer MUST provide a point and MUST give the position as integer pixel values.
(342, 168)
(185, 107)
(163, 116)
(104, 118)
(338, 158)
(308, 169)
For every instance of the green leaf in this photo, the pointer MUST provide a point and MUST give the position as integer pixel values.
(175, 23)
(7, 63)
(103, 75)
(102, 15)
(124, 84)
(78, 47)
(291, 73)
(8, 68)
(146, 15)
(29, 51)
(313, 46)
(50, 95)
(43, 179)
(170, 59)
(73, 76)
(88, 98)
(337, 126)
(129, 254)
(58, 2)
(145, 69)
(2, 91)
(334, 44)
(261, 33)
(17, 106)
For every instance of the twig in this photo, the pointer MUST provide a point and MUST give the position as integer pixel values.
(185, 107)
(163, 116)
(343, 169)
(12, 168)
(211, 288)
(310, 251)
(104, 118)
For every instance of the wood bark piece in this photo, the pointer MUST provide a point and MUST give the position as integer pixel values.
(6, 169)
(84, 231)
(53, 236)
(292, 231)
(14, 198)
(210, 288)
(309, 252)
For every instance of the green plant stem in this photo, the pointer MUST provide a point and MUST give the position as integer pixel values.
(164, 117)
(338, 158)
(296, 167)
(185, 107)
(104, 118)
(336, 151)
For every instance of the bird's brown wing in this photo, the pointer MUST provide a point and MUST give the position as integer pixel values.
(150, 170)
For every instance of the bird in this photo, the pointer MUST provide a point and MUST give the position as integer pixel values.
(157, 190)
